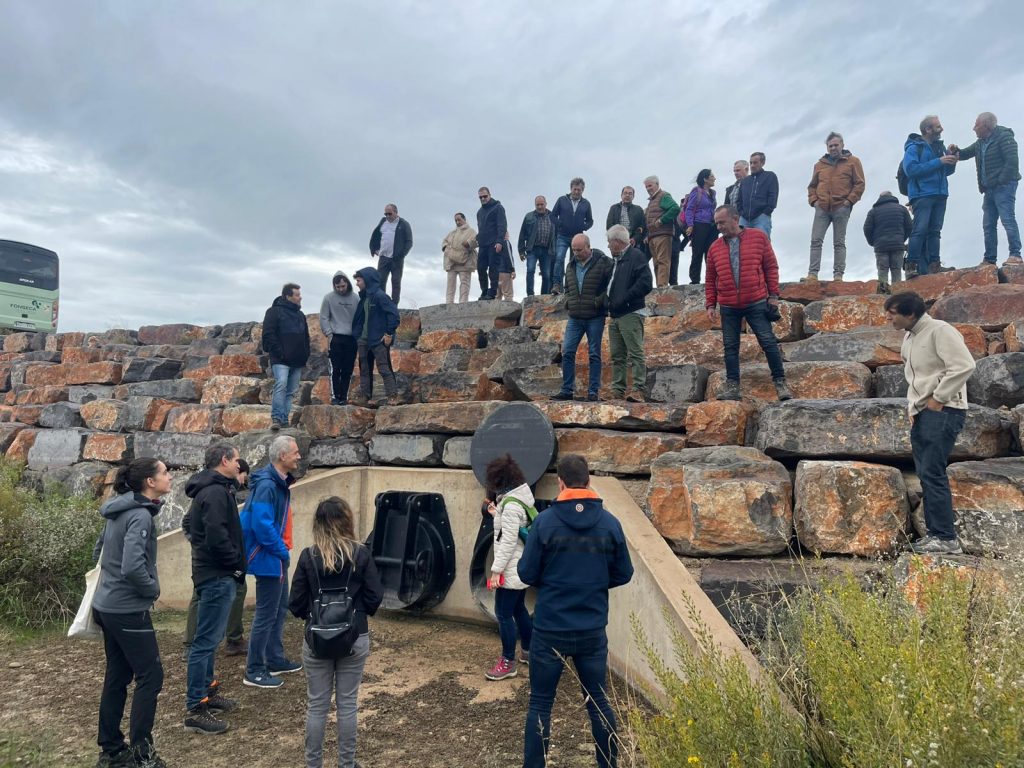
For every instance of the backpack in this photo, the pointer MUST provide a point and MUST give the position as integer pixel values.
(531, 515)
(681, 218)
(902, 180)
(332, 629)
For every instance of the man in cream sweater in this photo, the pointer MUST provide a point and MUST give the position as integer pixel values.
(937, 365)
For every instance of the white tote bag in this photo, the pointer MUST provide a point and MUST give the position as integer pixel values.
(84, 625)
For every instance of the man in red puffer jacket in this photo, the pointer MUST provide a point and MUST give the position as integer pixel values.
(743, 279)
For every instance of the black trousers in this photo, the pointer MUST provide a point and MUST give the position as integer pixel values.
(393, 267)
(487, 267)
(129, 642)
(703, 237)
(343, 362)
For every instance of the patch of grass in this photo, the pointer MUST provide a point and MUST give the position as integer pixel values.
(18, 750)
(46, 543)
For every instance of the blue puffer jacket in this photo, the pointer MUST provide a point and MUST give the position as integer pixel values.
(378, 305)
(926, 174)
(267, 523)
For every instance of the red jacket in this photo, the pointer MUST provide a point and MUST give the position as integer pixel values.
(759, 272)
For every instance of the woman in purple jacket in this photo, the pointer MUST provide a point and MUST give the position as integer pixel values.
(700, 221)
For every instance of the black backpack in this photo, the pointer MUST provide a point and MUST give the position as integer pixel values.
(901, 175)
(332, 629)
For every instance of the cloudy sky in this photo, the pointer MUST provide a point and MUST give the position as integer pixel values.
(186, 158)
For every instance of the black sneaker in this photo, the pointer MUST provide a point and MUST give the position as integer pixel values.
(123, 758)
(200, 720)
(275, 426)
(562, 396)
(222, 704)
(146, 757)
(593, 398)
(285, 668)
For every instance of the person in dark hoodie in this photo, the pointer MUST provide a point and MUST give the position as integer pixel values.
(575, 553)
(928, 164)
(491, 228)
(886, 229)
(336, 314)
(127, 589)
(218, 564)
(374, 325)
(286, 339)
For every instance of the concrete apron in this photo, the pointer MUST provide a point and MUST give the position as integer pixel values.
(656, 596)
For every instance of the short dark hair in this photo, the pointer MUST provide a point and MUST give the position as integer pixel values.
(907, 304)
(243, 465)
(627, 187)
(483, 189)
(573, 471)
(758, 154)
(504, 474)
(577, 182)
(289, 288)
(216, 453)
(732, 210)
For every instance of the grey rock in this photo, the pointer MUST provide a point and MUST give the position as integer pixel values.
(456, 452)
(500, 337)
(113, 336)
(872, 347)
(149, 369)
(536, 383)
(118, 352)
(56, 448)
(409, 450)
(194, 362)
(175, 449)
(319, 364)
(675, 300)
(40, 356)
(474, 314)
(85, 478)
(890, 381)
(998, 380)
(988, 502)
(207, 347)
(8, 431)
(182, 390)
(534, 354)
(238, 333)
(170, 351)
(86, 393)
(61, 416)
(874, 428)
(342, 452)
(677, 383)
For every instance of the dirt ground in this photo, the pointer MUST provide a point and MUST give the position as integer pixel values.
(424, 703)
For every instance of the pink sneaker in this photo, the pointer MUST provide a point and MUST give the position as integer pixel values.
(502, 669)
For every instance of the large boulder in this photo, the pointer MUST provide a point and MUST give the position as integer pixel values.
(824, 380)
(108, 447)
(988, 501)
(722, 422)
(194, 417)
(328, 421)
(540, 310)
(231, 390)
(941, 284)
(105, 415)
(81, 355)
(245, 418)
(45, 375)
(721, 501)
(175, 449)
(456, 452)
(56, 448)
(182, 390)
(675, 300)
(142, 369)
(871, 346)
(537, 383)
(817, 290)
(850, 508)
(474, 314)
(460, 418)
(991, 306)
(869, 429)
(174, 333)
(39, 396)
(88, 392)
(338, 452)
(106, 372)
(8, 432)
(61, 416)
(646, 417)
(844, 313)
(148, 414)
(464, 338)
(890, 381)
(998, 380)
(21, 444)
(528, 355)
(619, 453)
(451, 387)
(677, 383)
(408, 450)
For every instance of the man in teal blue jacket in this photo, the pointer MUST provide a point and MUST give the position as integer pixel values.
(927, 164)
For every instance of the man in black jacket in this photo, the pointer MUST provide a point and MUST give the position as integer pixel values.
(886, 229)
(759, 195)
(218, 564)
(286, 339)
(629, 215)
(586, 298)
(630, 282)
(391, 242)
(572, 216)
(491, 228)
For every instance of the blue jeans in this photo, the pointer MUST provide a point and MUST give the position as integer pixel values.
(542, 257)
(589, 654)
(931, 440)
(574, 331)
(756, 316)
(266, 646)
(510, 609)
(286, 381)
(923, 247)
(999, 203)
(215, 599)
(762, 222)
(562, 243)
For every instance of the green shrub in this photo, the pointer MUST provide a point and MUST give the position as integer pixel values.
(46, 543)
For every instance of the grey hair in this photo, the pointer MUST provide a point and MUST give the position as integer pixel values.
(989, 119)
(732, 210)
(578, 181)
(926, 121)
(278, 446)
(744, 163)
(652, 178)
(392, 205)
(618, 232)
(834, 135)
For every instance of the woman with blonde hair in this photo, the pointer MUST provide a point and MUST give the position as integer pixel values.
(459, 249)
(336, 561)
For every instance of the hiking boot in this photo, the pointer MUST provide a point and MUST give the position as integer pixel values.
(811, 278)
(276, 425)
(262, 681)
(636, 396)
(287, 667)
(837, 278)
(1013, 260)
(884, 289)
(910, 270)
(501, 670)
(236, 648)
(218, 703)
(146, 757)
(200, 720)
(618, 395)
(562, 396)
(360, 401)
(933, 545)
(524, 657)
(593, 398)
(936, 267)
(782, 390)
(338, 401)
(395, 399)
(730, 391)
(123, 758)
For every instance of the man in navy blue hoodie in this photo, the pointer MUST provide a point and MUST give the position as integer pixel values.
(374, 325)
(575, 553)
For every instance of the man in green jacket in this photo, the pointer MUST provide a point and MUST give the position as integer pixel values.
(586, 298)
(995, 153)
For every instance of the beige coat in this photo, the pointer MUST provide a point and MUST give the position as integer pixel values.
(937, 364)
(459, 248)
(508, 547)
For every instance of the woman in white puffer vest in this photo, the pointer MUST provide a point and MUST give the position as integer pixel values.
(506, 484)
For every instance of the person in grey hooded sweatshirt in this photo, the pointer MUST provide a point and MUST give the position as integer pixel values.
(336, 313)
(128, 587)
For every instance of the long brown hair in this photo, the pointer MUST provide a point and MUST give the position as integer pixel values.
(334, 533)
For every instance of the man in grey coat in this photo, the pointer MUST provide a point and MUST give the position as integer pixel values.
(336, 313)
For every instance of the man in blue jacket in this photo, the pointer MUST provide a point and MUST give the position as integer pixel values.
(374, 325)
(572, 216)
(286, 339)
(927, 165)
(575, 553)
(267, 528)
